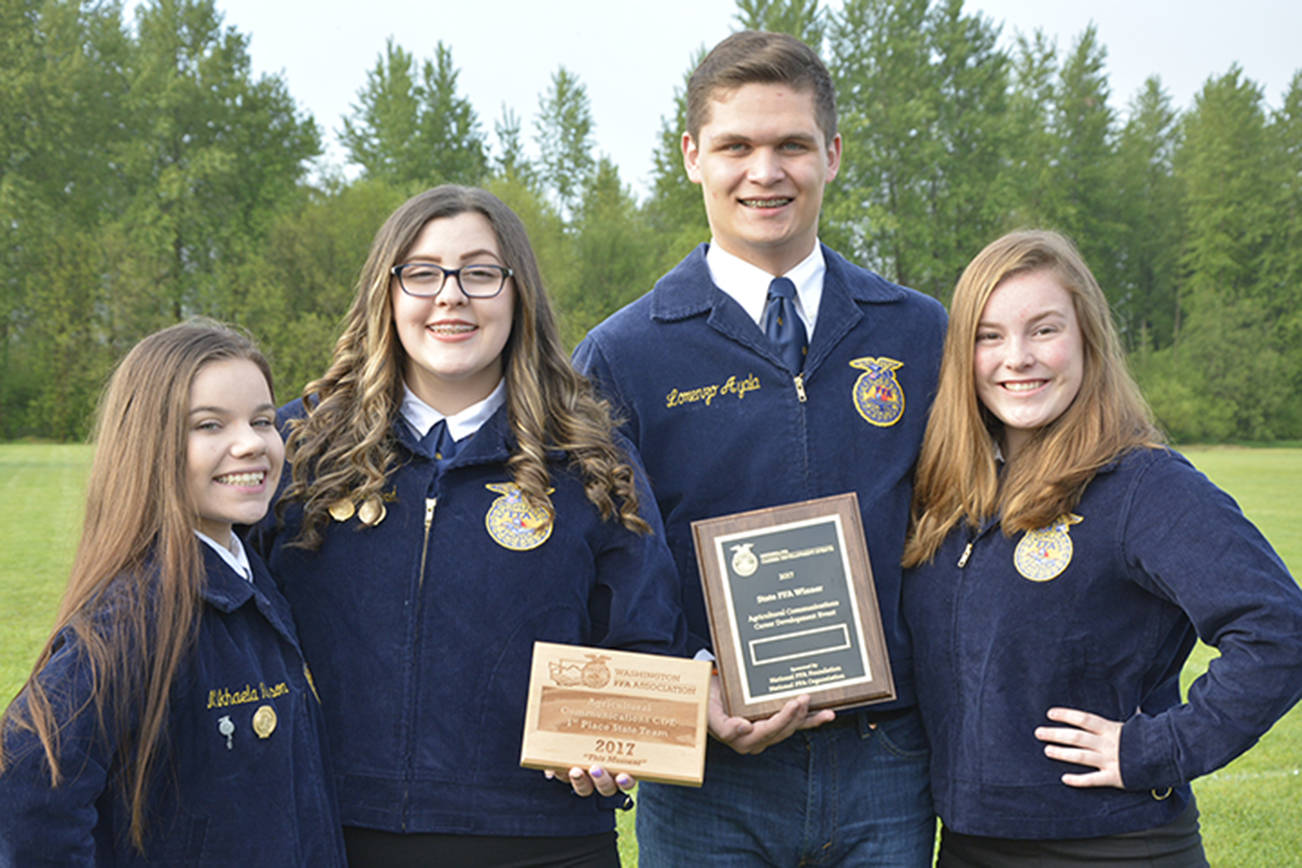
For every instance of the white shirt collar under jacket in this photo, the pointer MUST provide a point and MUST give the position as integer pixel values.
(749, 284)
(422, 417)
(234, 556)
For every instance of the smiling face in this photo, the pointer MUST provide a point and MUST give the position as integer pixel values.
(234, 453)
(453, 343)
(762, 162)
(1029, 359)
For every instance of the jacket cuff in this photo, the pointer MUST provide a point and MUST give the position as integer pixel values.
(1146, 756)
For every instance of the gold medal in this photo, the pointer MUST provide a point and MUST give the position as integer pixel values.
(264, 721)
(341, 510)
(371, 512)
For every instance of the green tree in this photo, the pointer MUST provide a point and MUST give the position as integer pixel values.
(409, 131)
(969, 203)
(381, 133)
(563, 131)
(799, 18)
(1282, 257)
(1231, 372)
(1082, 196)
(675, 210)
(922, 94)
(614, 254)
(305, 276)
(61, 77)
(510, 161)
(214, 154)
(141, 171)
(552, 245)
(1148, 247)
(884, 80)
(449, 126)
(1033, 94)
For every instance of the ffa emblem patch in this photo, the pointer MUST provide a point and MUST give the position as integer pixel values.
(744, 562)
(570, 672)
(877, 394)
(1043, 554)
(513, 523)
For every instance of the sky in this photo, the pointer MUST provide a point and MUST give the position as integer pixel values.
(632, 60)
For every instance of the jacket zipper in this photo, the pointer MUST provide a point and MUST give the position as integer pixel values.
(967, 553)
(430, 503)
(800, 388)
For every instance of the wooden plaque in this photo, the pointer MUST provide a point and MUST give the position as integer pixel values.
(643, 714)
(792, 607)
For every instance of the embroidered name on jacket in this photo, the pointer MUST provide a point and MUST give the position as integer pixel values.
(512, 522)
(224, 696)
(1043, 554)
(877, 394)
(734, 385)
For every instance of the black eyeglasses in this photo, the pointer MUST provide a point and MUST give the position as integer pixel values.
(425, 279)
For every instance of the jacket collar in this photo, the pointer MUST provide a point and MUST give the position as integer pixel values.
(493, 443)
(226, 590)
(687, 291)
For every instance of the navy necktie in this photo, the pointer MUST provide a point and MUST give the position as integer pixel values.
(782, 324)
(438, 443)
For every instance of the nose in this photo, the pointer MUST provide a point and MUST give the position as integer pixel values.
(765, 167)
(451, 294)
(1017, 354)
(248, 442)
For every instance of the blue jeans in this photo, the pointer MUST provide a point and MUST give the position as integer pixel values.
(849, 793)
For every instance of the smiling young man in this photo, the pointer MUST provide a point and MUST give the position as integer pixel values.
(742, 394)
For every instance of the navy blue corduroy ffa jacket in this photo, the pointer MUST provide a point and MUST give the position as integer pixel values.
(421, 632)
(724, 427)
(1099, 613)
(227, 792)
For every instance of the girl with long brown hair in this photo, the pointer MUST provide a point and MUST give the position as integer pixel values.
(170, 716)
(1063, 562)
(456, 493)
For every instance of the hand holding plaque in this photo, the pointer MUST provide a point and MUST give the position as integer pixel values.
(792, 607)
(755, 736)
(638, 714)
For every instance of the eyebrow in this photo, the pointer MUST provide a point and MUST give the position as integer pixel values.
(483, 251)
(261, 408)
(1045, 314)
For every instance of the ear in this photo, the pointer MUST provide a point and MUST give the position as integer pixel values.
(691, 159)
(833, 157)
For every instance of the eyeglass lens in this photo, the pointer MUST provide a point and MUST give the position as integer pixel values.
(421, 278)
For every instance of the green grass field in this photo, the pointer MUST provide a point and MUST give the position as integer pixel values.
(1252, 809)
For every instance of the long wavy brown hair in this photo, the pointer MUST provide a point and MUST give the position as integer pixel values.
(133, 598)
(345, 446)
(958, 477)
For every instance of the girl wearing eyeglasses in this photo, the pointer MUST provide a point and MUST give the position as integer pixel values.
(456, 492)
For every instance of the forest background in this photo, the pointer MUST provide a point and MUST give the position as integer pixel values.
(149, 174)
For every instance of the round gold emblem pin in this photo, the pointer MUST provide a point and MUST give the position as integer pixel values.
(342, 510)
(264, 721)
(371, 512)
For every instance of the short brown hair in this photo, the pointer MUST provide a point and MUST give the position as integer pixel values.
(760, 57)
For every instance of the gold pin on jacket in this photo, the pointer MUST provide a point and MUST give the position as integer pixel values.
(264, 721)
(372, 511)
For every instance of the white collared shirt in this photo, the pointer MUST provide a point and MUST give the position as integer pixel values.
(422, 417)
(233, 553)
(749, 284)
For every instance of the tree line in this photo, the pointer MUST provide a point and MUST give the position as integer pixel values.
(149, 174)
